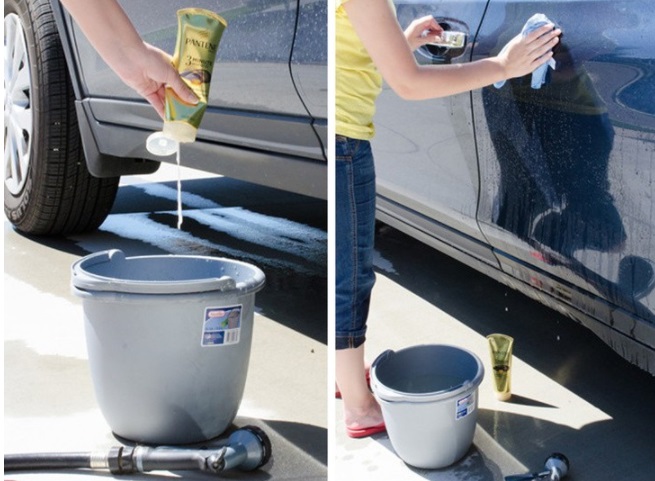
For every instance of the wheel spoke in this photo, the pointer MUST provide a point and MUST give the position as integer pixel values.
(21, 85)
(10, 38)
(22, 118)
(21, 65)
(12, 161)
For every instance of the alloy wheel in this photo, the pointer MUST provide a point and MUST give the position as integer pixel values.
(18, 105)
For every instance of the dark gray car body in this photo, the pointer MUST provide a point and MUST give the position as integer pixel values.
(267, 116)
(548, 190)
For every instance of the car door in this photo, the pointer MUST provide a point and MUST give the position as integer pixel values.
(567, 170)
(426, 162)
(309, 63)
(253, 100)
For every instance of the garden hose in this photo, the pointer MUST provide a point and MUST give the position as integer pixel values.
(247, 449)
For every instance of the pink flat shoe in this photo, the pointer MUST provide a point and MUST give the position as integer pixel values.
(365, 432)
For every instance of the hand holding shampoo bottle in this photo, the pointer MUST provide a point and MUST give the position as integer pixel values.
(198, 36)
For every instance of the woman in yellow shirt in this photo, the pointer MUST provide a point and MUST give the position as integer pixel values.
(370, 46)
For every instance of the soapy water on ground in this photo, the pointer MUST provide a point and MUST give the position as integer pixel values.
(300, 247)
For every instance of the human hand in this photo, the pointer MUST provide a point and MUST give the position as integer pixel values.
(422, 31)
(153, 73)
(523, 55)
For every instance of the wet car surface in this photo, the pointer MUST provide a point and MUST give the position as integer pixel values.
(548, 190)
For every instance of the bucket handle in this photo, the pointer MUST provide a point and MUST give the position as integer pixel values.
(82, 277)
(225, 283)
(381, 357)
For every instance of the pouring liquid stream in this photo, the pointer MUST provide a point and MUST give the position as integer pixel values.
(160, 145)
(180, 219)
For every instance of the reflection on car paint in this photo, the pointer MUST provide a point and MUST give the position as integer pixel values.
(553, 189)
(563, 206)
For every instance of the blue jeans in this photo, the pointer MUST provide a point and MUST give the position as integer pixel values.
(355, 233)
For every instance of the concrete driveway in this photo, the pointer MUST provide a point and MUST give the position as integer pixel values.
(49, 398)
(572, 393)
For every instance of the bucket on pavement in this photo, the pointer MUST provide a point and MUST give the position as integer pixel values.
(429, 399)
(168, 340)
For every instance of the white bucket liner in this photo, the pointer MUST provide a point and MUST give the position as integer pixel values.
(429, 399)
(168, 339)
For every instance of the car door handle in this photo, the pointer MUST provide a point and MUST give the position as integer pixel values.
(455, 40)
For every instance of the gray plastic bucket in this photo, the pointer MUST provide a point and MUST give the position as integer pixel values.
(168, 340)
(429, 402)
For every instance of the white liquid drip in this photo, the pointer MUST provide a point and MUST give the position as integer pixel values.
(179, 189)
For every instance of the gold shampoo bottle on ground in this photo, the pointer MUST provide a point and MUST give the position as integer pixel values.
(500, 348)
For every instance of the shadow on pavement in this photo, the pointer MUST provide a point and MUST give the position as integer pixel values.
(558, 347)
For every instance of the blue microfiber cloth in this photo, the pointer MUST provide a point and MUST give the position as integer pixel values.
(539, 75)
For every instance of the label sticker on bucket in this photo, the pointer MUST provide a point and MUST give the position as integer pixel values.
(465, 406)
(222, 326)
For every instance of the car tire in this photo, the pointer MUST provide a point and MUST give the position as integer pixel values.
(48, 189)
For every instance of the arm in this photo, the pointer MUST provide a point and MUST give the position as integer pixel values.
(378, 29)
(141, 66)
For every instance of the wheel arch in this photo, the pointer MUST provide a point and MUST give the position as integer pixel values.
(99, 164)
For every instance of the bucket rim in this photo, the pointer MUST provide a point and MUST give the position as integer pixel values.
(83, 280)
(386, 394)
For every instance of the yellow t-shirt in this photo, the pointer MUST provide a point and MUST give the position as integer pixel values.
(357, 84)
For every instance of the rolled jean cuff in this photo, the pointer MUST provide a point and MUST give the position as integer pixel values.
(350, 340)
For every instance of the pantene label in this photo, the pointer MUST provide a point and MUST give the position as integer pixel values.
(196, 60)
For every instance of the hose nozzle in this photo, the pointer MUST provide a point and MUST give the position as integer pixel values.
(556, 468)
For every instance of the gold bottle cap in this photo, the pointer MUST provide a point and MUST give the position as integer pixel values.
(180, 131)
(503, 396)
